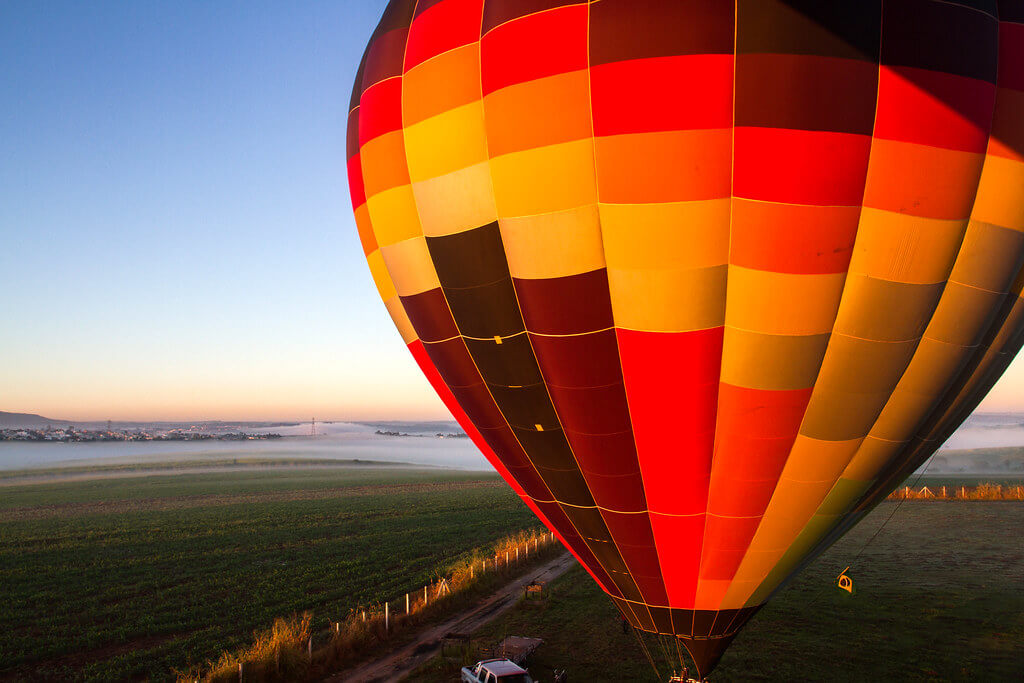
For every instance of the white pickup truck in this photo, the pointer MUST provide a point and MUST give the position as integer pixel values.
(495, 671)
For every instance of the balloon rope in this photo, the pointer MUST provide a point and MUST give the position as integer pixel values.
(643, 646)
(888, 519)
(679, 653)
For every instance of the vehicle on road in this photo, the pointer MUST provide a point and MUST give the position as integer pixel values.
(495, 671)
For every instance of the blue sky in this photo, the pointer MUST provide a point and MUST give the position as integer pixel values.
(177, 238)
(177, 234)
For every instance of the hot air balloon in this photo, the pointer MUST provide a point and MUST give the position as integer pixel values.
(703, 280)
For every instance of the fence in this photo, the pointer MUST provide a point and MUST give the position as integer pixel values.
(287, 651)
(979, 492)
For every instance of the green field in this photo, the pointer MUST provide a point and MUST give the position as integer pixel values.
(134, 577)
(938, 597)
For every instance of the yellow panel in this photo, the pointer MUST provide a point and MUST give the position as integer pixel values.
(393, 215)
(990, 256)
(446, 142)
(410, 266)
(816, 527)
(668, 300)
(381, 278)
(1001, 193)
(544, 180)
(873, 455)
(772, 362)
(963, 315)
(383, 162)
(933, 364)
(456, 202)
(553, 244)
(905, 248)
(881, 310)
(401, 319)
(838, 415)
(813, 460)
(862, 366)
(782, 303)
(444, 82)
(537, 113)
(675, 235)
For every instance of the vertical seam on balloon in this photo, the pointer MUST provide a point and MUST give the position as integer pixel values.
(441, 289)
(486, 386)
(721, 356)
(873, 490)
(874, 125)
(930, 423)
(541, 372)
(618, 352)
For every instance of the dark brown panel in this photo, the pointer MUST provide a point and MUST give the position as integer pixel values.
(624, 494)
(636, 29)
(469, 259)
(497, 12)
(811, 27)
(454, 363)
(940, 37)
(556, 515)
(597, 410)
(1011, 10)
(806, 92)
(430, 317)
(627, 612)
(479, 406)
(591, 526)
(486, 311)
(662, 617)
(682, 621)
(601, 454)
(526, 407)
(385, 57)
(703, 620)
(504, 444)
(566, 305)
(510, 363)
(635, 542)
(579, 361)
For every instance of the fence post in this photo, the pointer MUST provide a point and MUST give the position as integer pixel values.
(310, 649)
(424, 596)
(406, 603)
(471, 565)
(364, 616)
(517, 554)
(337, 627)
(241, 671)
(386, 618)
(943, 491)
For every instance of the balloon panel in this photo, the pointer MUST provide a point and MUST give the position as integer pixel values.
(702, 280)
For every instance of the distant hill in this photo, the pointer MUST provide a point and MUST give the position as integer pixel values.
(15, 420)
(1009, 460)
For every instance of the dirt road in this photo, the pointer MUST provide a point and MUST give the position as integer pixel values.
(395, 665)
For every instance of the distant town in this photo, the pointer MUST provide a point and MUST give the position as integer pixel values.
(439, 435)
(70, 434)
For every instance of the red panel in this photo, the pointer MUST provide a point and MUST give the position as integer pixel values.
(355, 182)
(664, 93)
(725, 543)
(679, 541)
(535, 46)
(444, 26)
(756, 429)
(791, 238)
(380, 110)
(933, 108)
(672, 385)
(801, 167)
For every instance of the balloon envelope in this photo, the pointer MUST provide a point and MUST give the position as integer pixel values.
(703, 280)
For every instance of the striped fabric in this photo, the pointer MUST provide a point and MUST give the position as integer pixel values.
(703, 280)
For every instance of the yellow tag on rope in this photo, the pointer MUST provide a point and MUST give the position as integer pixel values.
(845, 582)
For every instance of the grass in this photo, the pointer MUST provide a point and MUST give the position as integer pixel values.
(938, 597)
(134, 578)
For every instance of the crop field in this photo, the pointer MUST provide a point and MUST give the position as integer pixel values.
(134, 577)
(937, 597)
